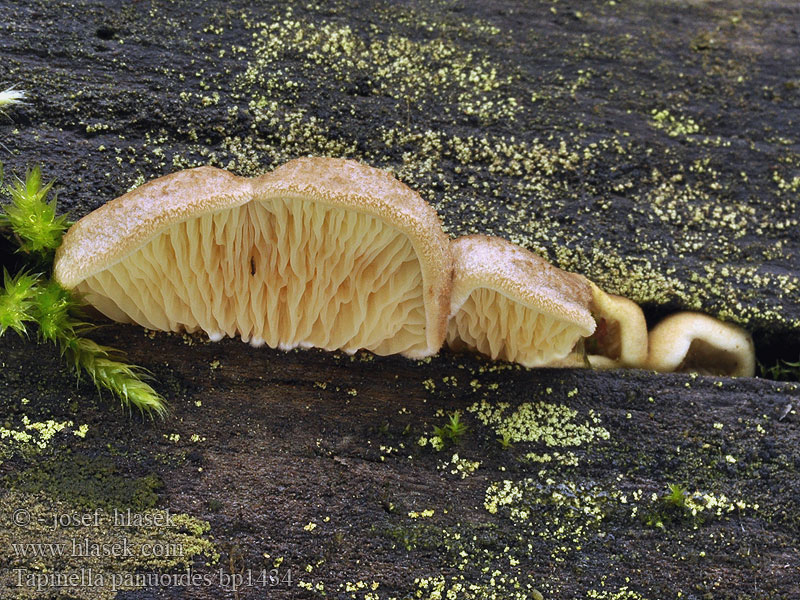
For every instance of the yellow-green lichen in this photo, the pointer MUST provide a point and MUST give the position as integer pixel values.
(460, 466)
(674, 126)
(33, 436)
(550, 424)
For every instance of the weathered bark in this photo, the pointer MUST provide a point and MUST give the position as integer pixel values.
(651, 147)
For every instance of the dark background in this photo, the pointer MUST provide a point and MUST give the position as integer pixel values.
(650, 146)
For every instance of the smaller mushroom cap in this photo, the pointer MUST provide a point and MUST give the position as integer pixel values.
(511, 304)
(690, 341)
(620, 339)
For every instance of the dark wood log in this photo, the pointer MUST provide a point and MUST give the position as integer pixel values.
(652, 147)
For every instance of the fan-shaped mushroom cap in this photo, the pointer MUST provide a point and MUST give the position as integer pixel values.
(509, 303)
(320, 252)
(620, 339)
(690, 341)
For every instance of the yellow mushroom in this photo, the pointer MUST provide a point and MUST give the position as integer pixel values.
(620, 339)
(511, 304)
(690, 341)
(320, 252)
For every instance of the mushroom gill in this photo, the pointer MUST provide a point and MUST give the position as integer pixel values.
(320, 252)
(511, 304)
(695, 342)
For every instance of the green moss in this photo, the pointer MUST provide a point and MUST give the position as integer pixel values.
(87, 482)
(17, 300)
(31, 217)
(416, 535)
(49, 541)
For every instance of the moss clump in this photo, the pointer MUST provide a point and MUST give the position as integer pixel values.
(17, 301)
(31, 221)
(51, 549)
(87, 483)
(415, 535)
(32, 217)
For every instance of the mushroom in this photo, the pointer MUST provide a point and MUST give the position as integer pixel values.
(691, 341)
(620, 339)
(577, 359)
(320, 252)
(511, 304)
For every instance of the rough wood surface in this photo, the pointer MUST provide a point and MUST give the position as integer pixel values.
(651, 147)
